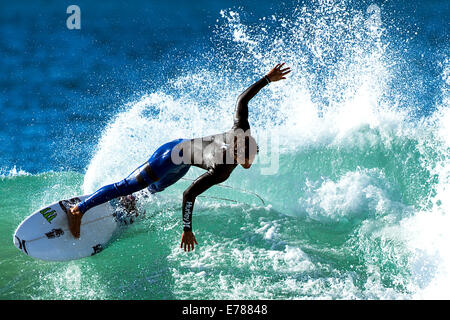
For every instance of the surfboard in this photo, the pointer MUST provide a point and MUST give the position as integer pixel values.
(45, 233)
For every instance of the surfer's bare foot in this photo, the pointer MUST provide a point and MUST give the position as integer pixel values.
(74, 215)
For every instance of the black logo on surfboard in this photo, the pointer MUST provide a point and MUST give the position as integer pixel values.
(97, 248)
(55, 233)
(22, 245)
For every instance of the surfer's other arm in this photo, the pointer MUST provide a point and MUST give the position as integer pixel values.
(200, 185)
(241, 112)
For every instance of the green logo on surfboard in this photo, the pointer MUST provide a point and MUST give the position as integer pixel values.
(48, 215)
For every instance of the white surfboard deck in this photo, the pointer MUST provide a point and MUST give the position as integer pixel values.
(45, 234)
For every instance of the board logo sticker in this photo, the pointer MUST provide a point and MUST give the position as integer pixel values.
(55, 233)
(48, 214)
(22, 245)
(97, 248)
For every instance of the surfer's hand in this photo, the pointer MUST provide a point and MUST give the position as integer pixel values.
(188, 240)
(277, 73)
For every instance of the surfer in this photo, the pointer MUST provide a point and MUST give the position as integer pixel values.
(218, 154)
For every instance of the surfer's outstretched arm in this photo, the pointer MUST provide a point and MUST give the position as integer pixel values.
(241, 112)
(200, 185)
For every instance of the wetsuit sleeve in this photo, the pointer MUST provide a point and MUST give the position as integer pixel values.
(200, 185)
(241, 112)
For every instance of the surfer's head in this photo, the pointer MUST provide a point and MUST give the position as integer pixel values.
(245, 150)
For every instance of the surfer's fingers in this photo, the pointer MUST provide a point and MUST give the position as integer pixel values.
(285, 69)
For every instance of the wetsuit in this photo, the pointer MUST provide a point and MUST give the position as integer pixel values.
(212, 153)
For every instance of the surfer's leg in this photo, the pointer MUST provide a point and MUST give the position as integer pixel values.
(159, 165)
(156, 167)
(137, 180)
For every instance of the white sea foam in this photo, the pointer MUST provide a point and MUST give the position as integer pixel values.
(358, 194)
(429, 229)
